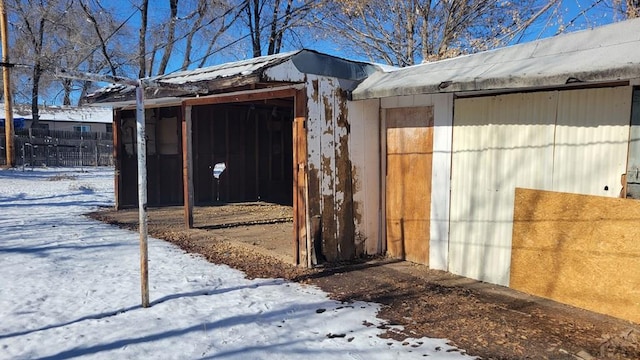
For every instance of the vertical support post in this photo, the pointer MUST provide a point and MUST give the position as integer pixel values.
(227, 157)
(187, 165)
(6, 75)
(117, 180)
(300, 211)
(142, 193)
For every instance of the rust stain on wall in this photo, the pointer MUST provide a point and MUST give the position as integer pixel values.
(314, 191)
(344, 184)
(314, 95)
(328, 113)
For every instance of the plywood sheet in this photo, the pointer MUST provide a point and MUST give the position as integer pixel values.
(578, 249)
(409, 139)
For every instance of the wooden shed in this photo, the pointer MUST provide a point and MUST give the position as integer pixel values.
(508, 166)
(280, 125)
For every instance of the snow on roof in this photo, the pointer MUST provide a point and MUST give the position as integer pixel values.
(246, 71)
(607, 53)
(243, 67)
(63, 113)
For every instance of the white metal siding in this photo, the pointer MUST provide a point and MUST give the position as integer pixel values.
(592, 137)
(365, 158)
(499, 142)
(440, 182)
(571, 141)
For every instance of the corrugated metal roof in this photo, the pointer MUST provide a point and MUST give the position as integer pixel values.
(243, 67)
(607, 53)
(226, 76)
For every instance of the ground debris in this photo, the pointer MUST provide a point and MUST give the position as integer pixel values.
(487, 321)
(626, 342)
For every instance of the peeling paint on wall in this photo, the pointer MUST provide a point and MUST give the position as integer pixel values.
(330, 168)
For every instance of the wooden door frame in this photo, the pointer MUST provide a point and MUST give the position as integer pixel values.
(301, 238)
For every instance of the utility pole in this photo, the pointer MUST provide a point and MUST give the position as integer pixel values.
(139, 85)
(142, 193)
(142, 166)
(6, 76)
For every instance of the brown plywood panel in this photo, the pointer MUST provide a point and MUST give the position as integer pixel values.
(408, 183)
(578, 249)
(407, 129)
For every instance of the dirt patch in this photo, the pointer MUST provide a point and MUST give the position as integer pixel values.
(489, 321)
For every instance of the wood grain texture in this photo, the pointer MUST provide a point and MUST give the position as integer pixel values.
(409, 139)
(579, 250)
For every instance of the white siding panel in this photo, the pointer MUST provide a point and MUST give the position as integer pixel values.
(440, 178)
(405, 101)
(328, 196)
(286, 71)
(365, 157)
(592, 136)
(315, 121)
(499, 143)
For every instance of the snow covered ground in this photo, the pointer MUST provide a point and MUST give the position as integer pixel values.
(70, 288)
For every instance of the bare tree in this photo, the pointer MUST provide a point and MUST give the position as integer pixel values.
(36, 24)
(186, 34)
(626, 9)
(269, 21)
(406, 32)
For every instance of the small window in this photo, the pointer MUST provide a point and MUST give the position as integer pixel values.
(82, 128)
(109, 128)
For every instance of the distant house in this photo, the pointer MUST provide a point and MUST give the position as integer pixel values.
(65, 136)
(60, 118)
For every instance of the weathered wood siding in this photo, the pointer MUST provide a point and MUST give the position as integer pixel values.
(330, 169)
(364, 143)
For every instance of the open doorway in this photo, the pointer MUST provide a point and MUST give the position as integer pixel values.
(243, 172)
(254, 141)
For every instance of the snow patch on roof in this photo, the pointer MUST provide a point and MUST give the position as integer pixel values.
(63, 113)
(243, 67)
(606, 53)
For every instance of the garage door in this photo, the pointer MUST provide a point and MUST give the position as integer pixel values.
(571, 141)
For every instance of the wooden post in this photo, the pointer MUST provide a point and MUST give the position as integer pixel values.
(142, 193)
(6, 75)
(187, 166)
(117, 181)
(142, 160)
(301, 248)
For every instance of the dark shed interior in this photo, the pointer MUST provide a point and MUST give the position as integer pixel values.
(254, 141)
(164, 157)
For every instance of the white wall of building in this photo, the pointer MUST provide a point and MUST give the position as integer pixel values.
(570, 141)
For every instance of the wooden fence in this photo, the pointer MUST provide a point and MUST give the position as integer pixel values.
(40, 147)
